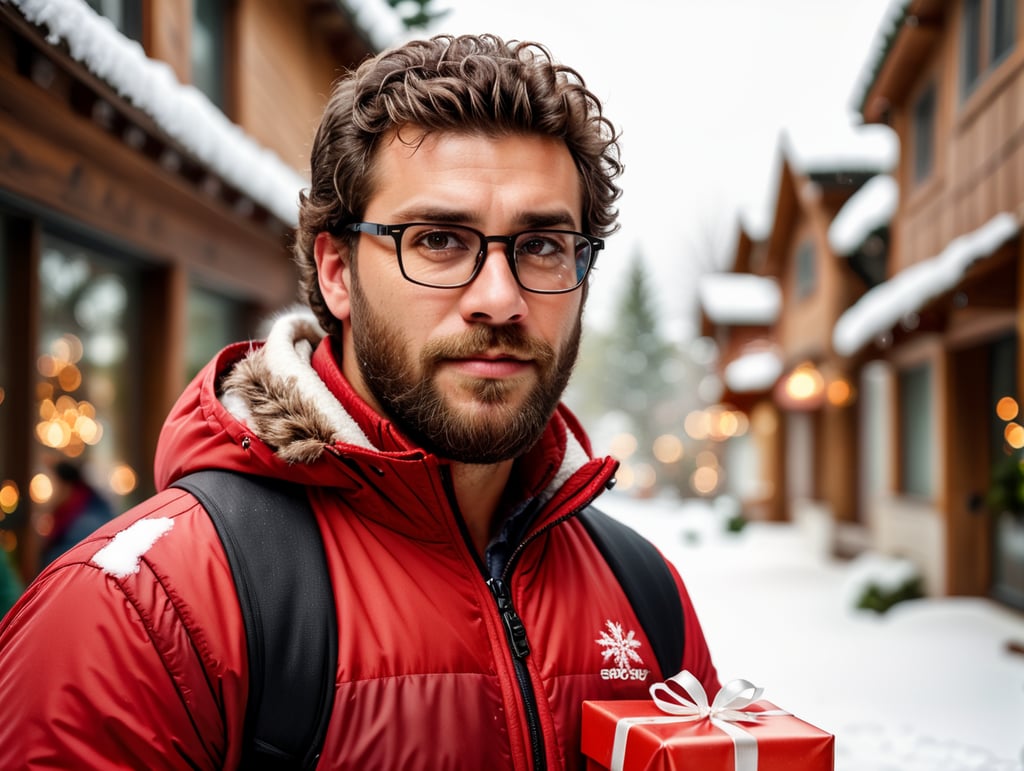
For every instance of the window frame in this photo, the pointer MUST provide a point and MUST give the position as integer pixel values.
(806, 273)
(982, 48)
(212, 80)
(917, 431)
(924, 127)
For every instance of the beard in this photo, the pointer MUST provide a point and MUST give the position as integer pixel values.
(496, 426)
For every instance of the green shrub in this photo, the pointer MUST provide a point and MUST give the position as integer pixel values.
(879, 598)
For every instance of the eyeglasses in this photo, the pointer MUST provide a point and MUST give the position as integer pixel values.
(450, 256)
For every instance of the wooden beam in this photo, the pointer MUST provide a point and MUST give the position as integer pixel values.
(77, 169)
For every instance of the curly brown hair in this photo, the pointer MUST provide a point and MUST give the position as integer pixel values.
(471, 84)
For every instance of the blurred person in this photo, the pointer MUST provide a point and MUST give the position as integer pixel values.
(460, 192)
(78, 510)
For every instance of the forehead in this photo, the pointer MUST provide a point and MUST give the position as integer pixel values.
(474, 177)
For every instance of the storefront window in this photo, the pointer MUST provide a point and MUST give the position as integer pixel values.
(208, 55)
(214, 320)
(9, 493)
(86, 390)
(917, 432)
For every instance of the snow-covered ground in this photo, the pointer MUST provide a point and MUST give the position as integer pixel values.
(929, 686)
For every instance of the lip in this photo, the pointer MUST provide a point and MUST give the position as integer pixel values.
(491, 366)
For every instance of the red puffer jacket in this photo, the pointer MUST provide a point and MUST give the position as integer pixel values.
(129, 651)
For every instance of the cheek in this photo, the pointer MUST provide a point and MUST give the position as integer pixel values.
(562, 317)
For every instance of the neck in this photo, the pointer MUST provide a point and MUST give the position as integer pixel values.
(478, 491)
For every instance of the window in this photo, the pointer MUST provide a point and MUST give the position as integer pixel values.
(923, 129)
(806, 270)
(917, 439)
(970, 54)
(213, 321)
(987, 34)
(7, 502)
(1004, 25)
(87, 401)
(126, 15)
(208, 55)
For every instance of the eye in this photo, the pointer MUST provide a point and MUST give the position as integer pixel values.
(438, 242)
(539, 245)
(441, 240)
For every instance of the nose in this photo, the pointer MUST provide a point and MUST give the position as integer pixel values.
(494, 296)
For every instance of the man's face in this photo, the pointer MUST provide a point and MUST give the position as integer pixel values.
(471, 373)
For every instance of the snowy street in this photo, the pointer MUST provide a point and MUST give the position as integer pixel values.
(930, 686)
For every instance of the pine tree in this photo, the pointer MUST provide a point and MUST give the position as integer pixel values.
(417, 14)
(636, 355)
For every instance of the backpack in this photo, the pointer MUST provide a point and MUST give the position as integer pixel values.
(292, 646)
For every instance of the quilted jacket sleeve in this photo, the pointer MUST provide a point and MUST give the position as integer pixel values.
(127, 651)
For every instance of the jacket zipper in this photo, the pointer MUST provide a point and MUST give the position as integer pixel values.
(515, 634)
(515, 630)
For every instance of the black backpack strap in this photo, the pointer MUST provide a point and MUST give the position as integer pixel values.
(647, 582)
(277, 558)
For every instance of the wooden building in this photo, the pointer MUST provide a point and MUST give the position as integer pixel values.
(739, 311)
(945, 326)
(803, 411)
(150, 163)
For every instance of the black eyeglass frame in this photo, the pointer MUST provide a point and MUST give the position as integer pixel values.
(396, 232)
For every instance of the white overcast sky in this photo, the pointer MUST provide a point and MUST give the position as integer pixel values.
(702, 91)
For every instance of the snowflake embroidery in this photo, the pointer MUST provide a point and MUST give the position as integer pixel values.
(622, 647)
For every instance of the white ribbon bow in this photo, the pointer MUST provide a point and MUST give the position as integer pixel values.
(728, 704)
(723, 712)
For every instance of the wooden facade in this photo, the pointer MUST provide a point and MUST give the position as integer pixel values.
(951, 84)
(810, 446)
(90, 181)
(921, 324)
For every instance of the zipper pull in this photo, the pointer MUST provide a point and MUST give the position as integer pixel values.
(514, 629)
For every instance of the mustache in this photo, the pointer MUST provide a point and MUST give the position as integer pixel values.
(510, 339)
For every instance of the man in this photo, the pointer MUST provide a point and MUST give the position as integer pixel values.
(460, 189)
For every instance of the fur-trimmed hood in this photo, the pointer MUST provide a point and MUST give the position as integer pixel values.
(282, 408)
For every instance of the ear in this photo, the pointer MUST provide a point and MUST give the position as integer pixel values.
(333, 272)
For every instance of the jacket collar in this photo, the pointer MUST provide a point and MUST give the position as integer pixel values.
(291, 393)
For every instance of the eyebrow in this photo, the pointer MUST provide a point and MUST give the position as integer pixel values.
(525, 220)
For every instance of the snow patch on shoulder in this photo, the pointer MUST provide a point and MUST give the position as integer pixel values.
(121, 557)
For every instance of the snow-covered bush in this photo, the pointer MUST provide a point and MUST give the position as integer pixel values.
(877, 582)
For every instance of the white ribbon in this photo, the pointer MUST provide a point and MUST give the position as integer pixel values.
(723, 712)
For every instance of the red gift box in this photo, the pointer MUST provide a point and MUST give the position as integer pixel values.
(749, 735)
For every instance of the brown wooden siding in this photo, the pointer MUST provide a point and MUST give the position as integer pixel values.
(979, 163)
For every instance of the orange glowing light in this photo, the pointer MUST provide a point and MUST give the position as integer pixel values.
(70, 378)
(8, 497)
(697, 425)
(1014, 435)
(123, 479)
(668, 448)
(803, 385)
(727, 423)
(839, 392)
(40, 488)
(704, 480)
(1007, 408)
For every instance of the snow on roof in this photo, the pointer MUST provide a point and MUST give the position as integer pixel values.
(752, 372)
(739, 298)
(184, 112)
(869, 209)
(883, 306)
(887, 30)
(870, 147)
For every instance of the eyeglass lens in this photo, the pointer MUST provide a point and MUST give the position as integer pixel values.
(545, 260)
